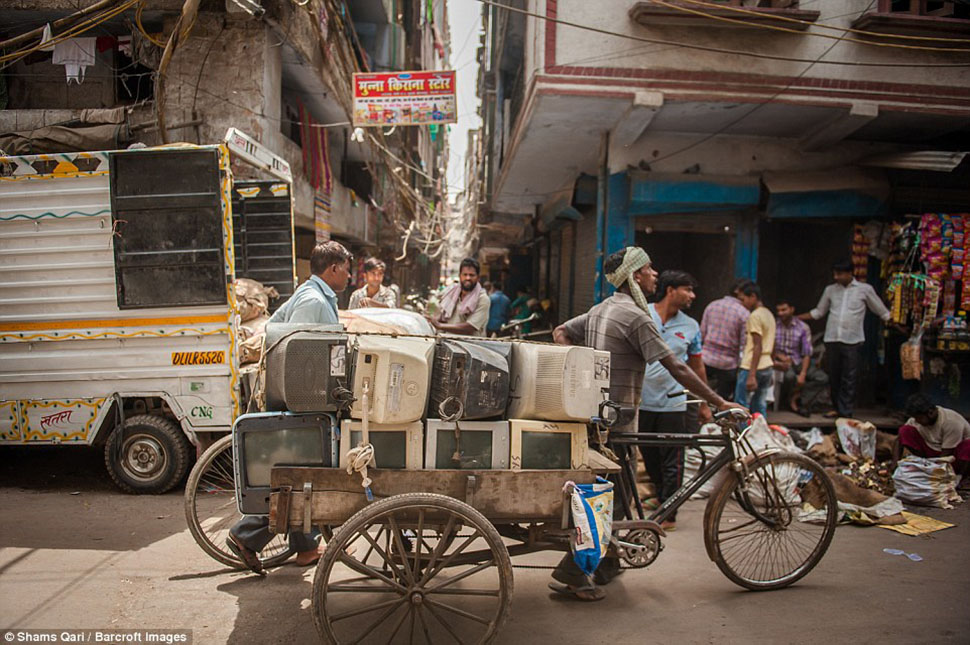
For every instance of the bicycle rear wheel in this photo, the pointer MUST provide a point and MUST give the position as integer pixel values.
(210, 508)
(768, 526)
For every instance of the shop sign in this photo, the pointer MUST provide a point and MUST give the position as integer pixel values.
(404, 98)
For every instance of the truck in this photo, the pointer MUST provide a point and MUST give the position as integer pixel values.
(118, 322)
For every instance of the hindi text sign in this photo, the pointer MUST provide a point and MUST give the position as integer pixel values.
(404, 98)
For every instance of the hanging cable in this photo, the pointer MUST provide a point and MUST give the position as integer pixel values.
(716, 50)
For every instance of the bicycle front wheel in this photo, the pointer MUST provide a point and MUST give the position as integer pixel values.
(768, 526)
(210, 508)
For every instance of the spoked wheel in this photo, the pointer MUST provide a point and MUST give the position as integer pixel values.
(413, 568)
(210, 508)
(773, 529)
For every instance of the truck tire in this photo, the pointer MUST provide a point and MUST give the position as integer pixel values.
(147, 455)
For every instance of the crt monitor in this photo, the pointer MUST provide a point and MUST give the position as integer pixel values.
(263, 440)
(478, 445)
(397, 373)
(557, 382)
(306, 367)
(468, 374)
(396, 445)
(545, 445)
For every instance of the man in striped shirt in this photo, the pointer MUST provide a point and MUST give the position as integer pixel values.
(724, 331)
(622, 326)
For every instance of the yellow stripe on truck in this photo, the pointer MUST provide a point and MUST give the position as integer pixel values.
(113, 322)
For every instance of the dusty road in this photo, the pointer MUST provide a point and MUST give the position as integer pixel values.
(75, 553)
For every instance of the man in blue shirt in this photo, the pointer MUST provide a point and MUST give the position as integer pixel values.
(314, 301)
(499, 308)
(660, 413)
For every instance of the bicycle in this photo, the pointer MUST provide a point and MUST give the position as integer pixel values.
(767, 525)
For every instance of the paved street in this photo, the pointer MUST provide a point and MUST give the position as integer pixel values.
(75, 553)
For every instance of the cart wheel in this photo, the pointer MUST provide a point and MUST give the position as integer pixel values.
(412, 568)
(210, 508)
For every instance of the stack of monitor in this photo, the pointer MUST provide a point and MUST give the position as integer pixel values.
(445, 403)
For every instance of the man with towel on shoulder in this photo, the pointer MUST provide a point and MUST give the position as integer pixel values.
(622, 325)
(464, 307)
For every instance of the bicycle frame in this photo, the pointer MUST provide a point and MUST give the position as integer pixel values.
(707, 470)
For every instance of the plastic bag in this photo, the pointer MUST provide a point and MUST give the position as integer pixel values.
(926, 481)
(692, 463)
(858, 438)
(762, 436)
(592, 510)
(910, 357)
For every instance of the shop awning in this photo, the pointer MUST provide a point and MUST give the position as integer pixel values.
(661, 193)
(841, 192)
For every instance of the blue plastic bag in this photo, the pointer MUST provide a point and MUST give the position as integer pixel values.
(592, 510)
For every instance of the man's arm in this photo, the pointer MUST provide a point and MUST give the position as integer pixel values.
(689, 379)
(803, 373)
(875, 305)
(696, 363)
(462, 328)
(821, 308)
(752, 383)
(570, 332)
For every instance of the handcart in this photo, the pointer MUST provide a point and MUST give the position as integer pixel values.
(425, 555)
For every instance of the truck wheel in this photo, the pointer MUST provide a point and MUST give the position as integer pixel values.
(147, 454)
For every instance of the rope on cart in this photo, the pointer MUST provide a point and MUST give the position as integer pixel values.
(453, 418)
(362, 456)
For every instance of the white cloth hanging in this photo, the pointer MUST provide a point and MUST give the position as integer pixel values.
(46, 38)
(76, 55)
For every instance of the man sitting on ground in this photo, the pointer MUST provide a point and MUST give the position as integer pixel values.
(934, 431)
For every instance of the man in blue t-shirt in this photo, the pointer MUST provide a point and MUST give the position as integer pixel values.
(659, 412)
(499, 308)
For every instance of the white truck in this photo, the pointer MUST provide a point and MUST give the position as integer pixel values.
(117, 312)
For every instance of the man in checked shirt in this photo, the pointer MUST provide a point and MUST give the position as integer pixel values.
(724, 330)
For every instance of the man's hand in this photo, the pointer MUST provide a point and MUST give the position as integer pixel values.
(560, 337)
(728, 405)
(800, 381)
(704, 413)
(432, 320)
(751, 384)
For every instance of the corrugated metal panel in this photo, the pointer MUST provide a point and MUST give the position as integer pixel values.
(586, 254)
(566, 268)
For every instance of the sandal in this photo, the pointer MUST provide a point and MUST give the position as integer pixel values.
(586, 593)
(249, 557)
(651, 504)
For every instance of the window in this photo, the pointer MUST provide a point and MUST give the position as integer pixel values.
(938, 8)
(167, 216)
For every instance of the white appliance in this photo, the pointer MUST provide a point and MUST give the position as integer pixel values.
(546, 445)
(480, 445)
(397, 374)
(557, 382)
(396, 445)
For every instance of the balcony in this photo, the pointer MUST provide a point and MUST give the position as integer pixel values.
(917, 18)
(725, 14)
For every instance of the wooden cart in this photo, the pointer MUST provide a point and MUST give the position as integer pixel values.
(428, 559)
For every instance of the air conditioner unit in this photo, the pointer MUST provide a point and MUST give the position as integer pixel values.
(557, 382)
(397, 373)
(474, 376)
(543, 445)
(478, 445)
(263, 440)
(306, 367)
(396, 445)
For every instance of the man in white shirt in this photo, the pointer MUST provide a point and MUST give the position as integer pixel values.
(845, 302)
(934, 431)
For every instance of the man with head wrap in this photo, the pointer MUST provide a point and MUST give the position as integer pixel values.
(622, 326)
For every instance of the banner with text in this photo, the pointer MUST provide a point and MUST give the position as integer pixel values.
(404, 98)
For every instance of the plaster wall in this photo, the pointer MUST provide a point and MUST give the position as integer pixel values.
(585, 48)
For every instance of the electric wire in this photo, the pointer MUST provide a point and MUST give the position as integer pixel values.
(717, 50)
(799, 32)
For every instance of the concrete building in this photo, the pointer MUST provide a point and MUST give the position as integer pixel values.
(727, 138)
(279, 71)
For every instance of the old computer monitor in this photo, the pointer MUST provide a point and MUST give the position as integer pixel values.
(480, 445)
(397, 372)
(557, 382)
(263, 440)
(396, 445)
(547, 445)
(305, 364)
(469, 374)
